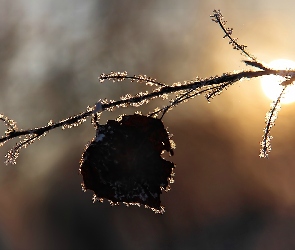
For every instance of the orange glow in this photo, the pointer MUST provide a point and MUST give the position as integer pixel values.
(271, 84)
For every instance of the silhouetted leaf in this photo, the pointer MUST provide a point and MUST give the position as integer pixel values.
(123, 163)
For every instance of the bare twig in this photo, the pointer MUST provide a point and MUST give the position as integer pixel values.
(212, 83)
(217, 17)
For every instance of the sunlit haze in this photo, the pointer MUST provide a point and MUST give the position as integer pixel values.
(271, 84)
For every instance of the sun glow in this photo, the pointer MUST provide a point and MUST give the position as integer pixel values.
(271, 84)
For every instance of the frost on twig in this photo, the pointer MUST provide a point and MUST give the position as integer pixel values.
(10, 124)
(217, 17)
(209, 87)
(13, 153)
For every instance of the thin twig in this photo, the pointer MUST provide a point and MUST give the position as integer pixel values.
(136, 99)
(217, 17)
(270, 118)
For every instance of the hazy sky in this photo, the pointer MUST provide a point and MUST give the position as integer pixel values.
(51, 54)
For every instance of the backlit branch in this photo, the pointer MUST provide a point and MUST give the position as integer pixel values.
(187, 90)
(210, 87)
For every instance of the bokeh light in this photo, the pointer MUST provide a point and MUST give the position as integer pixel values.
(271, 84)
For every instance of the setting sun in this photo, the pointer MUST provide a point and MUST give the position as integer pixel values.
(271, 84)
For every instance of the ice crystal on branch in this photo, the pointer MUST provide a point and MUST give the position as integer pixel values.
(121, 76)
(217, 17)
(11, 124)
(115, 76)
(270, 119)
(13, 153)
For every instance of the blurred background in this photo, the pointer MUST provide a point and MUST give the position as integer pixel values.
(224, 195)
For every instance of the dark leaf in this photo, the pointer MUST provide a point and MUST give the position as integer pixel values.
(123, 163)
